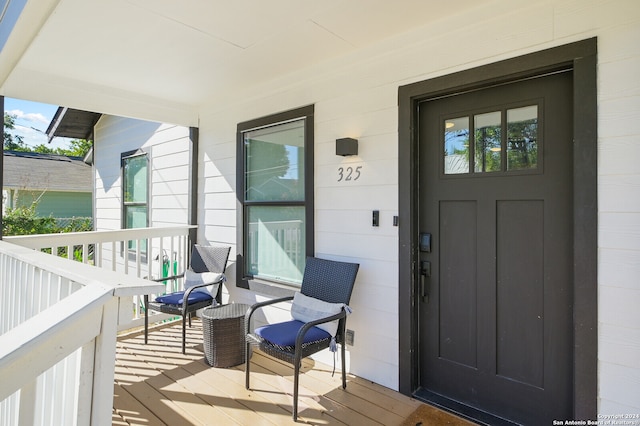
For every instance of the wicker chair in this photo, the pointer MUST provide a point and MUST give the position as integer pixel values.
(204, 259)
(331, 283)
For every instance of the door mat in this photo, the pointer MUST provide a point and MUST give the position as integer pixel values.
(426, 415)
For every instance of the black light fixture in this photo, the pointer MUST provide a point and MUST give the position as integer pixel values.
(346, 146)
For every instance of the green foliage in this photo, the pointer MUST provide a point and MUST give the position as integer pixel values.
(77, 148)
(24, 221)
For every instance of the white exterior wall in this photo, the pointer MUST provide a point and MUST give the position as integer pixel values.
(168, 149)
(356, 96)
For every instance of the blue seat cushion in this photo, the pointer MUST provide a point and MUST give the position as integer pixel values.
(178, 297)
(284, 334)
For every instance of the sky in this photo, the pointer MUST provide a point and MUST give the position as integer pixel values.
(32, 120)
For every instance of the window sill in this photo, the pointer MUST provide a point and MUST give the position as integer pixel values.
(271, 288)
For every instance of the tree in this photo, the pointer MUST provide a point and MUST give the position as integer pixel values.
(12, 142)
(77, 147)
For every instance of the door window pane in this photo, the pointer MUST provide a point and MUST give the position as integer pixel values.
(456, 145)
(488, 140)
(275, 163)
(522, 144)
(275, 238)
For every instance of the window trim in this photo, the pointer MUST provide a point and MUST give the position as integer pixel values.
(307, 113)
(123, 215)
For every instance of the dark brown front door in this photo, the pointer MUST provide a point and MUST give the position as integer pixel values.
(496, 198)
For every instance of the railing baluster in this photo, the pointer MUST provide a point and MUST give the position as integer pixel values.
(97, 255)
(27, 402)
(113, 255)
(161, 259)
(172, 261)
(138, 257)
(125, 256)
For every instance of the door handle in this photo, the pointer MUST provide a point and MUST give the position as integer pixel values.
(425, 272)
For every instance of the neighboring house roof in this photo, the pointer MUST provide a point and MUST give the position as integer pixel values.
(72, 123)
(30, 170)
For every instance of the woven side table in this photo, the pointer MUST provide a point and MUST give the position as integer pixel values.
(223, 329)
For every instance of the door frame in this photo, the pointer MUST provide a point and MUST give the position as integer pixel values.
(581, 58)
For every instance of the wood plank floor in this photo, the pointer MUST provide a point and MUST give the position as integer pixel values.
(156, 384)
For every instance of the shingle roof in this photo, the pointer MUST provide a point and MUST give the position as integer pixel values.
(30, 170)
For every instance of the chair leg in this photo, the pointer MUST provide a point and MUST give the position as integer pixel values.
(246, 366)
(184, 335)
(295, 392)
(146, 318)
(296, 381)
(344, 367)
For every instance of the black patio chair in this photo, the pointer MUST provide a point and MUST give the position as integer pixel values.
(202, 284)
(319, 314)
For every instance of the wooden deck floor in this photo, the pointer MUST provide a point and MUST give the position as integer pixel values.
(156, 384)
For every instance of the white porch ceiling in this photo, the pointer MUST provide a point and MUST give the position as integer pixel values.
(156, 59)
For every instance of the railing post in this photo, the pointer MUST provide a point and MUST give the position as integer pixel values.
(26, 414)
(104, 366)
(85, 382)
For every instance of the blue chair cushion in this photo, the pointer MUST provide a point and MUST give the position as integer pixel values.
(178, 297)
(284, 334)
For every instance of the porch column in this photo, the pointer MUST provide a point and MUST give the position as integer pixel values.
(1, 158)
(193, 185)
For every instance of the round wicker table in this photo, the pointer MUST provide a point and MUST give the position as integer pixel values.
(224, 339)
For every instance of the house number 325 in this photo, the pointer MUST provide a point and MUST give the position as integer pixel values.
(348, 173)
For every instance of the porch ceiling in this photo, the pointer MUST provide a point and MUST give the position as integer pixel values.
(163, 60)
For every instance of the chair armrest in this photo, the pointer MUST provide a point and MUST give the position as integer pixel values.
(173, 277)
(256, 306)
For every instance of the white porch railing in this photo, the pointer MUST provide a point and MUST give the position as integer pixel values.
(58, 326)
(138, 252)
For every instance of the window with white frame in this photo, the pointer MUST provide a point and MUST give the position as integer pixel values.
(275, 187)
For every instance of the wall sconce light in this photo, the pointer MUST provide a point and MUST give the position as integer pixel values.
(346, 146)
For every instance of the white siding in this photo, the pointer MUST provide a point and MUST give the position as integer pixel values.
(168, 149)
(356, 96)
